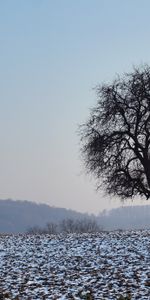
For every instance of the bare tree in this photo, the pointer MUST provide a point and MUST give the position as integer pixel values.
(51, 228)
(87, 225)
(83, 225)
(67, 225)
(116, 138)
(35, 230)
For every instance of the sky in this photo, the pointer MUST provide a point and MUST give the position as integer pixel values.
(52, 55)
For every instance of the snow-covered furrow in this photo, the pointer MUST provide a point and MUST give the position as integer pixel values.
(103, 265)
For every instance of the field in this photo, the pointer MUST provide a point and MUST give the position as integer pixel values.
(108, 265)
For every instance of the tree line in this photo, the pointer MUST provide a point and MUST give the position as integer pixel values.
(67, 226)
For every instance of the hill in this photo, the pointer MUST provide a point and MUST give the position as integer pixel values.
(18, 216)
(126, 217)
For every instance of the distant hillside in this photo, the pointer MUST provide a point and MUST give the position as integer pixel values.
(127, 217)
(18, 216)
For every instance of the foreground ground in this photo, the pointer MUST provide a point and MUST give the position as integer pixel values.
(93, 266)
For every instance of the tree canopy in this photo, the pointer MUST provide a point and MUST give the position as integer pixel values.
(116, 137)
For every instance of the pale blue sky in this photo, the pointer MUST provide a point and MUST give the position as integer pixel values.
(52, 54)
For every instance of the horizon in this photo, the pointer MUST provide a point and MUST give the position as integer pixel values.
(107, 210)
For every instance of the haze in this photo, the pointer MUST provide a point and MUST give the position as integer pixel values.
(52, 55)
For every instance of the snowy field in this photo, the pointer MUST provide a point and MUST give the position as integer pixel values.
(93, 266)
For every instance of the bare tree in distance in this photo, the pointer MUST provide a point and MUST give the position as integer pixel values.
(67, 226)
(116, 138)
(84, 225)
(36, 230)
(51, 228)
